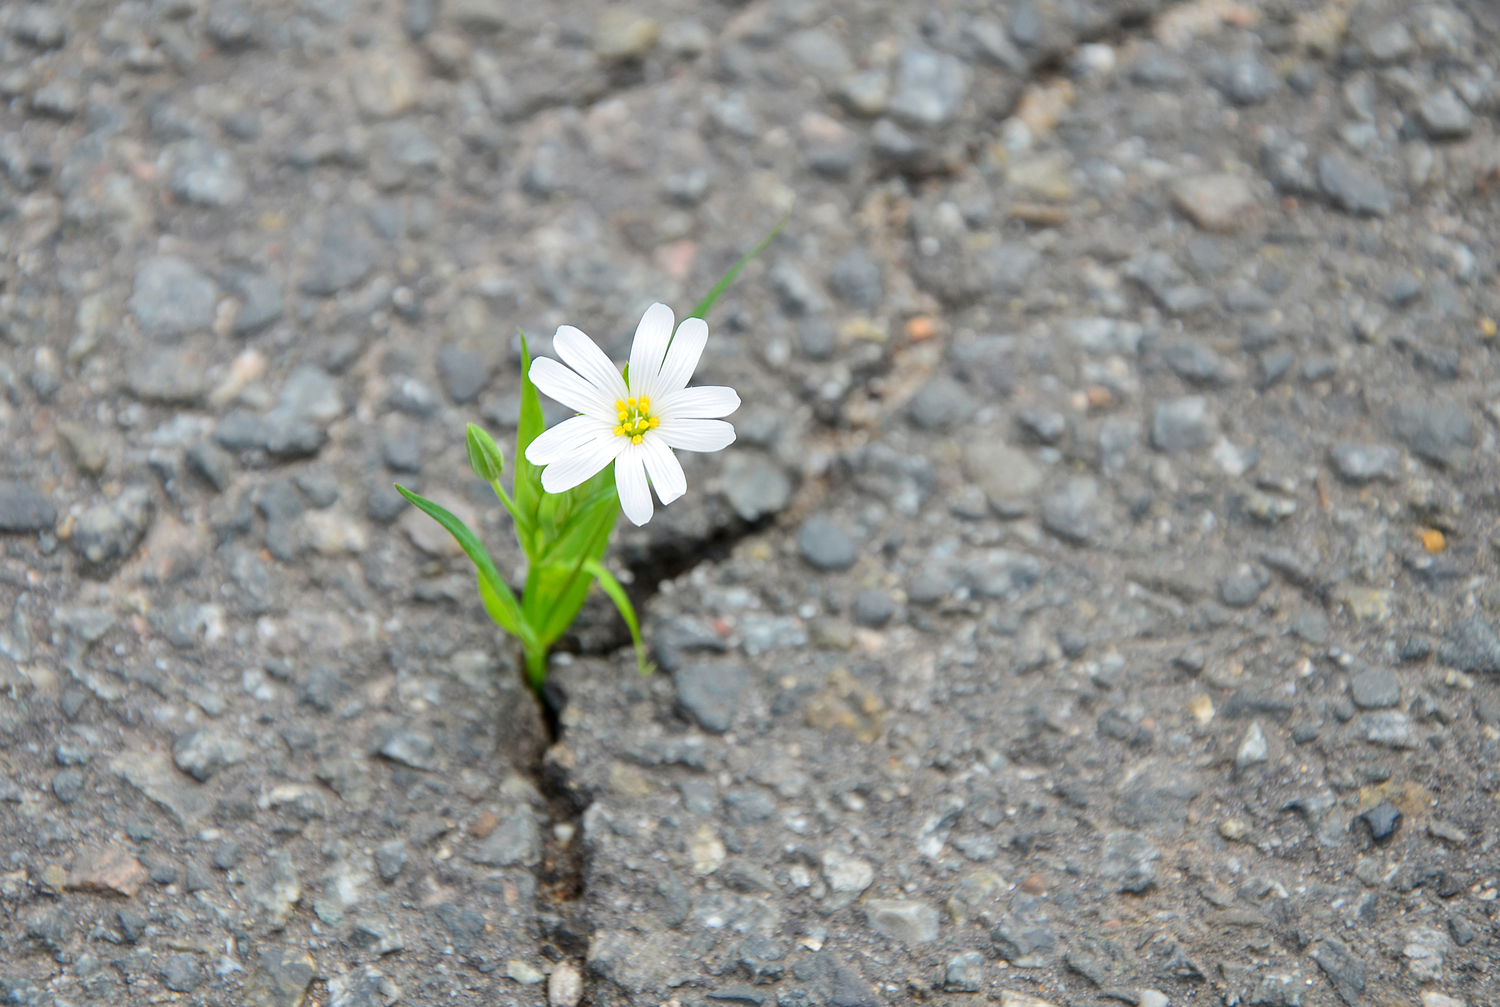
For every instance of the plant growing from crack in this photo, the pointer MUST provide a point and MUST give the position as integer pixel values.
(572, 482)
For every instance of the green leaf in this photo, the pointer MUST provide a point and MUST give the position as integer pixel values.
(528, 488)
(616, 592)
(701, 311)
(485, 457)
(498, 609)
(513, 621)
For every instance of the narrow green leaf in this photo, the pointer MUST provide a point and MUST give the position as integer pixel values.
(496, 606)
(616, 592)
(701, 311)
(474, 549)
(485, 457)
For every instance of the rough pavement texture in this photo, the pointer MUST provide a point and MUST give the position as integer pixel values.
(1100, 600)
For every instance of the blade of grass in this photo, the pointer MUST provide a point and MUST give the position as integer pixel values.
(701, 311)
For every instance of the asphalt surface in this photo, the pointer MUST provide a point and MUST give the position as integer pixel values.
(1098, 602)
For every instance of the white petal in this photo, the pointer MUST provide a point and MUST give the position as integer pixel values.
(682, 355)
(705, 402)
(649, 349)
(630, 482)
(565, 439)
(664, 468)
(582, 354)
(696, 435)
(583, 464)
(556, 381)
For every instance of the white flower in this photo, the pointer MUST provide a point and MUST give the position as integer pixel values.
(634, 425)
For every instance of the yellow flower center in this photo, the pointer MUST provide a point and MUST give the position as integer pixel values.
(635, 418)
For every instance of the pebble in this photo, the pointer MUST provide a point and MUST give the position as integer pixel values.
(40, 25)
(939, 404)
(204, 174)
(845, 873)
(390, 858)
(1194, 362)
(1441, 432)
(24, 510)
(710, 693)
(516, 842)
(1445, 116)
(732, 114)
(1345, 971)
(401, 448)
(1353, 188)
(1471, 645)
(825, 545)
(1129, 861)
(1425, 951)
(181, 973)
(856, 279)
(411, 748)
(1360, 463)
(1182, 425)
(1221, 203)
(1253, 749)
(910, 922)
(60, 99)
(873, 608)
(171, 297)
(930, 87)
(1390, 728)
(1244, 585)
(1375, 689)
(260, 301)
(1246, 81)
(1075, 513)
(171, 376)
(108, 533)
(203, 752)
(462, 373)
(564, 985)
(345, 254)
(755, 487)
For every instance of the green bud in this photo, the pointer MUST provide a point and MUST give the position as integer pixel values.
(484, 454)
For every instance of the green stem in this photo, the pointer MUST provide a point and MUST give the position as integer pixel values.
(536, 669)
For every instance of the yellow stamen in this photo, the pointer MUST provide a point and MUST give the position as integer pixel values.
(636, 439)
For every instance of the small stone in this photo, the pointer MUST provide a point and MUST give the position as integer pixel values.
(1129, 861)
(1022, 944)
(856, 278)
(280, 978)
(24, 510)
(1343, 969)
(564, 985)
(390, 858)
(110, 532)
(109, 871)
(845, 873)
(261, 300)
(1440, 432)
(227, 855)
(1182, 425)
(1445, 116)
(710, 693)
(1075, 513)
(1425, 951)
(939, 404)
(964, 973)
(1246, 81)
(755, 487)
(1045, 426)
(368, 987)
(873, 608)
(401, 448)
(174, 376)
(732, 114)
(350, 779)
(910, 922)
(624, 35)
(345, 254)
(1360, 463)
(411, 748)
(1471, 645)
(171, 297)
(1353, 188)
(1382, 820)
(153, 775)
(1005, 474)
(203, 752)
(181, 973)
(523, 973)
(462, 373)
(40, 25)
(1375, 689)
(1221, 203)
(1253, 749)
(930, 87)
(1243, 587)
(205, 174)
(61, 98)
(515, 842)
(824, 545)
(1389, 728)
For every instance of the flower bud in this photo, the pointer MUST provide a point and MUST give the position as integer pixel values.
(484, 454)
